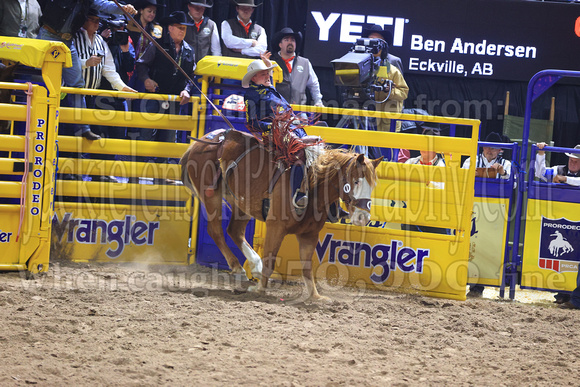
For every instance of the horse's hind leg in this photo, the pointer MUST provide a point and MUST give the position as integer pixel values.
(213, 208)
(236, 231)
(272, 242)
(307, 243)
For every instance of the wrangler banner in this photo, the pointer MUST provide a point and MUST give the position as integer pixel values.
(371, 258)
(121, 234)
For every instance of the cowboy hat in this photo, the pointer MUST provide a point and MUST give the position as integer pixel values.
(494, 137)
(140, 4)
(575, 155)
(286, 31)
(254, 68)
(95, 12)
(201, 3)
(177, 17)
(246, 3)
(376, 29)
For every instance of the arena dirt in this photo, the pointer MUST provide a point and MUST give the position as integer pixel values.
(133, 325)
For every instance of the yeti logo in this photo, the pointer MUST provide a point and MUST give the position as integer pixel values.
(559, 244)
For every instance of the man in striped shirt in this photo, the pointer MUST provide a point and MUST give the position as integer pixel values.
(490, 158)
(95, 56)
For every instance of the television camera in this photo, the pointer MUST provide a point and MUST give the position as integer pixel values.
(119, 33)
(358, 71)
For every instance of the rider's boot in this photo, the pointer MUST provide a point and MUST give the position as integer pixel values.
(299, 198)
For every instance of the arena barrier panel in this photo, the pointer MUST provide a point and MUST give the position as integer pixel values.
(551, 248)
(541, 264)
(125, 221)
(490, 224)
(377, 257)
(28, 159)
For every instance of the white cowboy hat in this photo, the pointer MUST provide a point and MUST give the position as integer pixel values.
(254, 68)
(575, 155)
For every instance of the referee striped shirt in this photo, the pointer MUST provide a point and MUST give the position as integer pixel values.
(93, 74)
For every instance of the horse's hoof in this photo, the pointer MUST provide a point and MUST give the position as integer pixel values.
(258, 288)
(256, 270)
(321, 299)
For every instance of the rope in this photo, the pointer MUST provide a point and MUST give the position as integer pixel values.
(177, 66)
(24, 184)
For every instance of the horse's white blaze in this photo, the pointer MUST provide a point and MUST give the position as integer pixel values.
(362, 190)
(254, 260)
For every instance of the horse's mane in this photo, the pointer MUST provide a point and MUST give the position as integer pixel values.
(330, 162)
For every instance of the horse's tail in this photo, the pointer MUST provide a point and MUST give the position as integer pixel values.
(184, 173)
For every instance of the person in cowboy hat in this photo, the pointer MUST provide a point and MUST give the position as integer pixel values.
(569, 174)
(203, 36)
(298, 72)
(490, 157)
(375, 31)
(146, 13)
(160, 75)
(394, 87)
(241, 37)
(262, 102)
(61, 28)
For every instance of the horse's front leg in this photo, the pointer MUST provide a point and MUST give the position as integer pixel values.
(307, 244)
(272, 242)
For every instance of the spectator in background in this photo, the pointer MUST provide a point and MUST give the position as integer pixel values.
(159, 75)
(97, 62)
(569, 174)
(426, 157)
(60, 22)
(490, 157)
(242, 37)
(203, 35)
(95, 56)
(146, 12)
(20, 18)
(376, 32)
(118, 40)
(298, 72)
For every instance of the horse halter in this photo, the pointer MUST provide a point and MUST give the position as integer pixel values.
(363, 203)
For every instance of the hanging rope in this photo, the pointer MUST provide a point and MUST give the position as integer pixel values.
(177, 66)
(24, 184)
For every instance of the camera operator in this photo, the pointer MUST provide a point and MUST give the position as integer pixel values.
(394, 88)
(97, 62)
(376, 32)
(117, 38)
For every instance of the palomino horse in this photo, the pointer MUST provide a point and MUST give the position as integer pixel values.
(235, 166)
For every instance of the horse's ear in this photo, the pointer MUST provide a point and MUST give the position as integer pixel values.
(376, 162)
(360, 159)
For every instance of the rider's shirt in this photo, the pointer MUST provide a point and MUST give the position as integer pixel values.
(262, 103)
